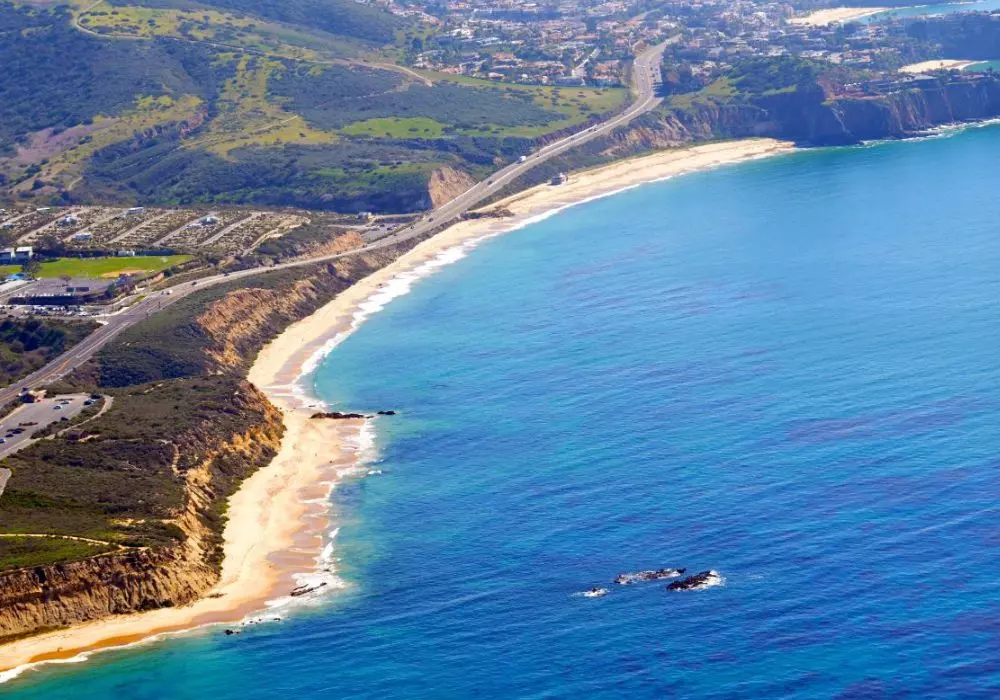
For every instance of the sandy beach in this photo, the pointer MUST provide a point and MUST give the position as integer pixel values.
(278, 519)
(937, 64)
(833, 15)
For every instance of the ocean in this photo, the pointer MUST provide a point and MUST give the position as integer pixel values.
(785, 371)
(946, 8)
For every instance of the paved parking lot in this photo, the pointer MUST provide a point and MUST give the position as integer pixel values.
(31, 417)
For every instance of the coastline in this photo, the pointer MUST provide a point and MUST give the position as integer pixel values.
(834, 15)
(278, 520)
(937, 64)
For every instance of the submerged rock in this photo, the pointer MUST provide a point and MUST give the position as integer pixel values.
(595, 593)
(337, 415)
(386, 413)
(697, 582)
(302, 590)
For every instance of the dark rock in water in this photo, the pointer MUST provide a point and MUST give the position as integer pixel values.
(229, 633)
(302, 590)
(696, 582)
(337, 415)
(386, 413)
(648, 575)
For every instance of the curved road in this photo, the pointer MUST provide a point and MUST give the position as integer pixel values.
(645, 77)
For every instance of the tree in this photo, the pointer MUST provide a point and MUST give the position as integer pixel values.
(31, 268)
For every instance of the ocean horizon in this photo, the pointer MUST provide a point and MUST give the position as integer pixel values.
(783, 371)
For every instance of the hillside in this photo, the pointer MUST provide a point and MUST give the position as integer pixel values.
(173, 102)
(27, 344)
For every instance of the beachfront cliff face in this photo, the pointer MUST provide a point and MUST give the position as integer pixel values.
(447, 183)
(191, 359)
(211, 459)
(809, 117)
(238, 325)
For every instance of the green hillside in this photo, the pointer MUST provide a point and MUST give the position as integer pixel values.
(233, 101)
(340, 17)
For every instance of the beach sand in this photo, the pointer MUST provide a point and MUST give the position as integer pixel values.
(833, 15)
(273, 532)
(937, 64)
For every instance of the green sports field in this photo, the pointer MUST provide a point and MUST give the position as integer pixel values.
(102, 267)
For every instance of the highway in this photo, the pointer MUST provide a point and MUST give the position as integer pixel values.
(645, 78)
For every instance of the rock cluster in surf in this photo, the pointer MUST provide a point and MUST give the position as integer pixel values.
(696, 582)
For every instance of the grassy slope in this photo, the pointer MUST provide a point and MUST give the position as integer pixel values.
(190, 120)
(23, 552)
(28, 344)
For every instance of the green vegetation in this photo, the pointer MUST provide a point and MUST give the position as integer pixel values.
(394, 127)
(23, 552)
(28, 344)
(340, 17)
(125, 483)
(56, 76)
(379, 103)
(102, 267)
(322, 99)
(174, 102)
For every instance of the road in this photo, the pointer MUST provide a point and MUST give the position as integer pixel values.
(645, 77)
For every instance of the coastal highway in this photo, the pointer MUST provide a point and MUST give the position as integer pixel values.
(645, 78)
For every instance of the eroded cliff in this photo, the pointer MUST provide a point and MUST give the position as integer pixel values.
(149, 480)
(166, 550)
(811, 116)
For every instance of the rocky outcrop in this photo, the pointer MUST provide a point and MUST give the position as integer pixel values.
(445, 184)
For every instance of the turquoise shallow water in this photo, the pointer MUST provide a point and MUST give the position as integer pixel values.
(786, 371)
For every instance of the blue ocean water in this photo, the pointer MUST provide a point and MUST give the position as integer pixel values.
(946, 8)
(786, 371)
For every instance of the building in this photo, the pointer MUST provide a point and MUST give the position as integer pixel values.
(83, 236)
(560, 179)
(78, 290)
(16, 256)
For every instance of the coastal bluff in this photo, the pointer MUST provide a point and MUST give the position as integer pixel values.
(811, 116)
(142, 574)
(140, 505)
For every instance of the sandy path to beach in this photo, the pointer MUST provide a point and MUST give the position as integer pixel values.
(272, 533)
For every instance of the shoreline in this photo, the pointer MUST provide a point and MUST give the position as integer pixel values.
(279, 518)
(938, 64)
(836, 15)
